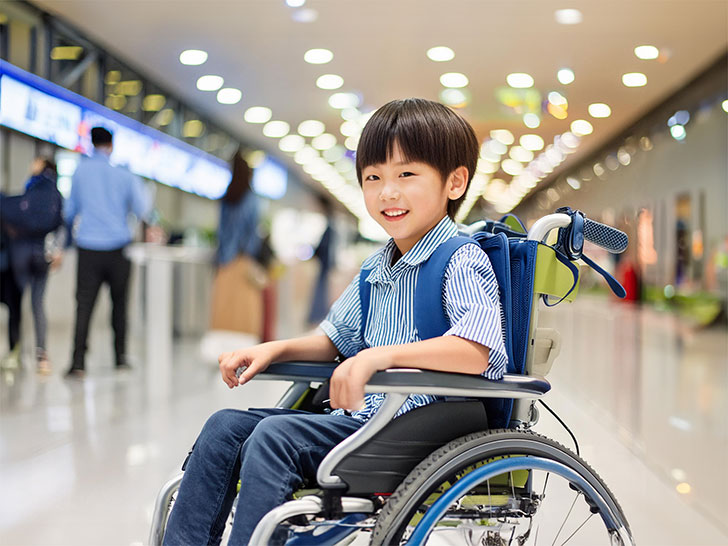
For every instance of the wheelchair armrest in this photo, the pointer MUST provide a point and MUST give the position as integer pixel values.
(299, 371)
(413, 381)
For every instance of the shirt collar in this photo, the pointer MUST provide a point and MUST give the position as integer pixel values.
(423, 249)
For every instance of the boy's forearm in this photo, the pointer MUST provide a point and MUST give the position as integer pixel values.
(444, 353)
(316, 348)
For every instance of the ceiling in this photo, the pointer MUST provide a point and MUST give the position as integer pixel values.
(380, 47)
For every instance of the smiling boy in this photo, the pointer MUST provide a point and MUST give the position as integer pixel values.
(414, 162)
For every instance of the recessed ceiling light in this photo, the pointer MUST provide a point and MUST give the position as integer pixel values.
(568, 16)
(257, 114)
(351, 143)
(531, 142)
(503, 135)
(440, 54)
(531, 120)
(350, 128)
(581, 127)
(565, 76)
(599, 110)
(512, 167)
(318, 56)
(229, 95)
(311, 128)
(678, 132)
(573, 182)
(324, 141)
(305, 15)
(519, 80)
(276, 129)
(291, 143)
(329, 81)
(454, 79)
(295, 3)
(209, 83)
(519, 153)
(634, 79)
(153, 103)
(454, 97)
(646, 52)
(193, 57)
(724, 105)
(305, 155)
(193, 128)
(344, 100)
(557, 98)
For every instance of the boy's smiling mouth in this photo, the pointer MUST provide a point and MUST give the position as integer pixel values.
(394, 214)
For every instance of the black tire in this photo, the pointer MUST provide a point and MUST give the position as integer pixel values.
(461, 454)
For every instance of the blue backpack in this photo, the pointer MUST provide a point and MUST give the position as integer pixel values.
(37, 212)
(513, 258)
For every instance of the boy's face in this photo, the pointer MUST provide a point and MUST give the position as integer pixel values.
(409, 199)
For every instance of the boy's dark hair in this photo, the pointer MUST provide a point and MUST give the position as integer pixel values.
(49, 166)
(101, 136)
(240, 181)
(425, 131)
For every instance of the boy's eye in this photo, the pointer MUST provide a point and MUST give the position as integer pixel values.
(372, 177)
(407, 173)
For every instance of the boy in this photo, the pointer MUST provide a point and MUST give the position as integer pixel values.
(414, 162)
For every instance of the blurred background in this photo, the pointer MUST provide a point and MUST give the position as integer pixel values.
(619, 109)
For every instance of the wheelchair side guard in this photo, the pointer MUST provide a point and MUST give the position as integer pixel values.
(299, 371)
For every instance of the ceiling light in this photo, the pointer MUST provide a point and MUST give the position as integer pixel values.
(634, 79)
(350, 114)
(646, 52)
(531, 142)
(305, 155)
(557, 98)
(351, 143)
(229, 95)
(276, 129)
(682, 117)
(210, 83)
(683, 488)
(305, 15)
(599, 110)
(678, 132)
(573, 182)
(334, 154)
(440, 54)
(454, 79)
(318, 56)
(724, 105)
(512, 167)
(295, 3)
(329, 81)
(496, 147)
(568, 16)
(311, 128)
(291, 143)
(457, 98)
(581, 127)
(257, 114)
(164, 117)
(66, 53)
(531, 120)
(153, 103)
(503, 135)
(487, 167)
(350, 128)
(565, 76)
(193, 57)
(519, 153)
(324, 141)
(344, 100)
(519, 80)
(193, 128)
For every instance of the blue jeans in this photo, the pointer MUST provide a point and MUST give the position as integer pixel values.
(271, 451)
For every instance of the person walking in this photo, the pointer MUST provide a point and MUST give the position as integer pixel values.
(34, 225)
(103, 196)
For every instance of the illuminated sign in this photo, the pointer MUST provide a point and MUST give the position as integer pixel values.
(46, 111)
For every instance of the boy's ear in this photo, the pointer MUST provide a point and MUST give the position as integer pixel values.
(457, 183)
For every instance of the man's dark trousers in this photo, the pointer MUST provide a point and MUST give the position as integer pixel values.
(96, 267)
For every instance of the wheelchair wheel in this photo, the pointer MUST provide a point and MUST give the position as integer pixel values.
(502, 487)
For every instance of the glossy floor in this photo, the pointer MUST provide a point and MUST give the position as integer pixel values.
(81, 461)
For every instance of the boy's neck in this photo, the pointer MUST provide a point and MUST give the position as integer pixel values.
(396, 255)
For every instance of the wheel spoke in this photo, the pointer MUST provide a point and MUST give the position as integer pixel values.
(565, 519)
(577, 529)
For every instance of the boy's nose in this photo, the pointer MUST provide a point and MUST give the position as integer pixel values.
(389, 191)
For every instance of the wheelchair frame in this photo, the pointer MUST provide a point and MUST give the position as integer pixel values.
(398, 384)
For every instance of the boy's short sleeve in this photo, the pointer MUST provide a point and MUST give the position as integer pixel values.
(343, 323)
(473, 305)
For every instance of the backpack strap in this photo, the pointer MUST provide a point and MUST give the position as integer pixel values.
(365, 290)
(430, 318)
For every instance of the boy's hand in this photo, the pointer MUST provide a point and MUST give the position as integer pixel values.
(253, 360)
(349, 377)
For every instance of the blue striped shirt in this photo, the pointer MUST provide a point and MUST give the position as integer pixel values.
(470, 297)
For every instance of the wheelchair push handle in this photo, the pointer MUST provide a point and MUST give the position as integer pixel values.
(607, 237)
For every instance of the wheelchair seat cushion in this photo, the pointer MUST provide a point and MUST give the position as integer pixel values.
(382, 463)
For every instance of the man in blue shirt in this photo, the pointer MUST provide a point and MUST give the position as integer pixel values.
(102, 196)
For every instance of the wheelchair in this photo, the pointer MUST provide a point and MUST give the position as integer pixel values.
(441, 474)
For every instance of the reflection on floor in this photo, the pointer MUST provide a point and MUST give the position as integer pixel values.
(81, 461)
